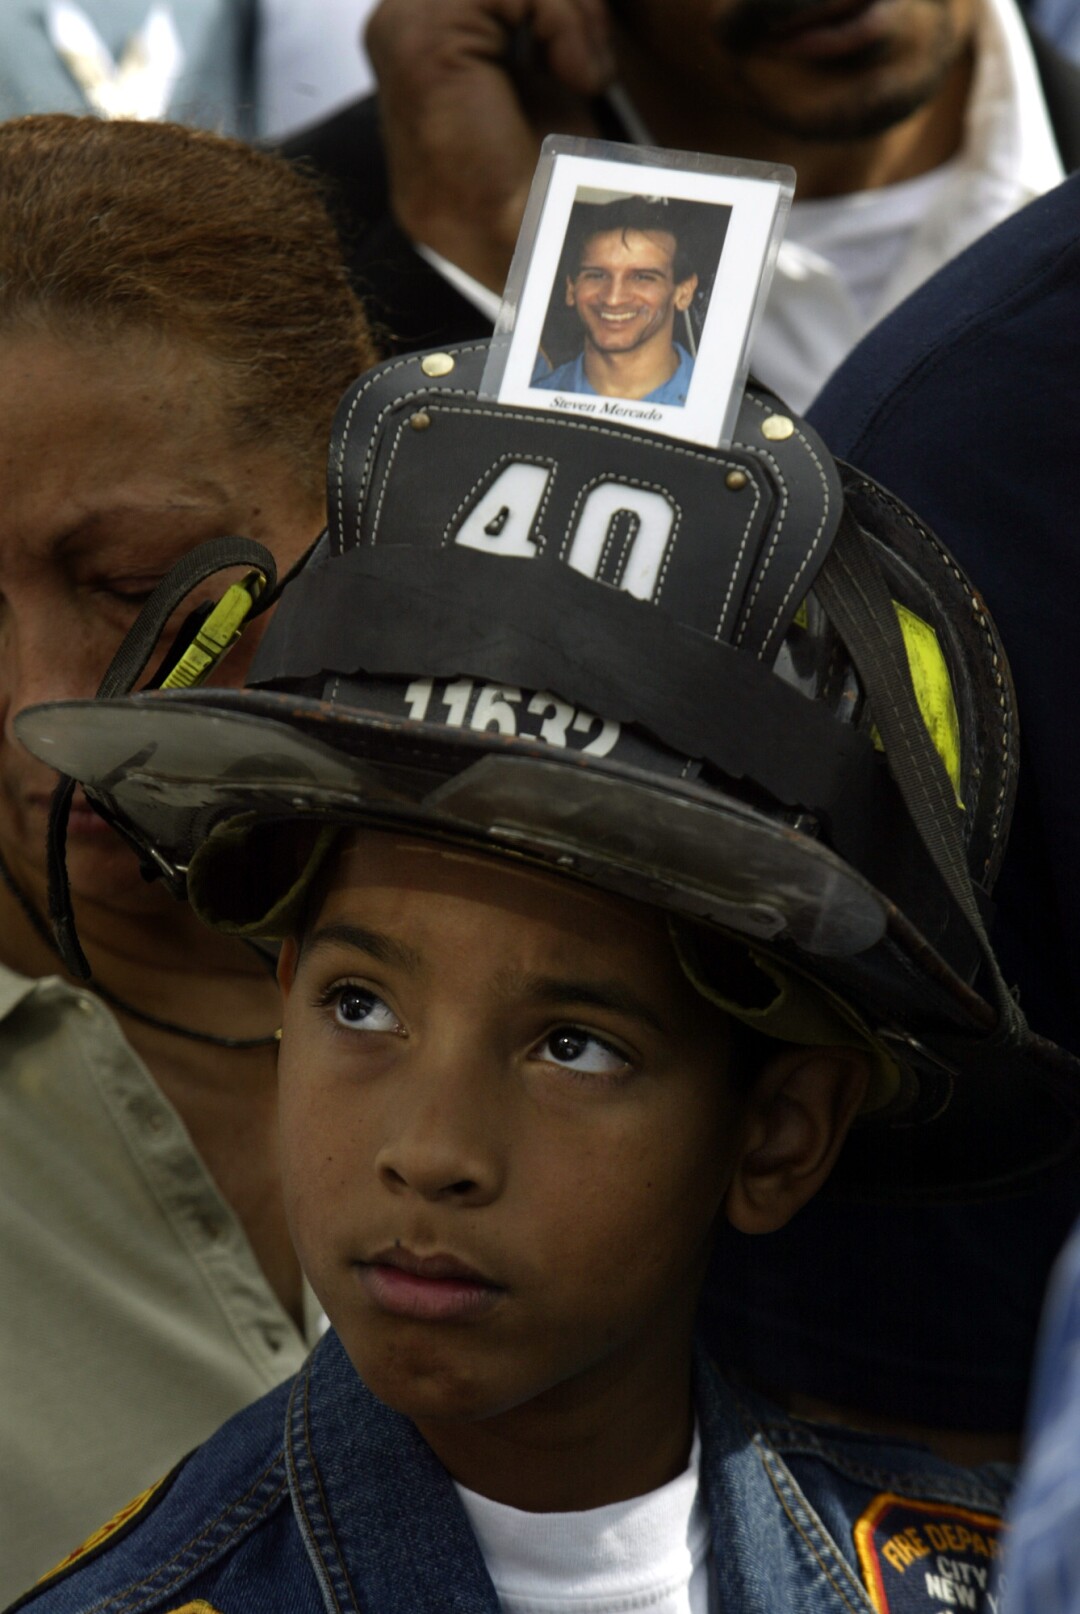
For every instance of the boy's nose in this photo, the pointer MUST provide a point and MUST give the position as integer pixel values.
(431, 1180)
(444, 1145)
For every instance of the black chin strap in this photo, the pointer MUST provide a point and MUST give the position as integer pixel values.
(126, 667)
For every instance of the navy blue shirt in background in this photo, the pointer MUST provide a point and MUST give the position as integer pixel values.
(965, 403)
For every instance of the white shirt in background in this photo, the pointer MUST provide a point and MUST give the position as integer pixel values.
(310, 61)
(848, 261)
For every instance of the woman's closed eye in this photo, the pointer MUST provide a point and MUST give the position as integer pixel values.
(127, 592)
(581, 1051)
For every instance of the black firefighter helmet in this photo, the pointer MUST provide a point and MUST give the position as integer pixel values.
(743, 684)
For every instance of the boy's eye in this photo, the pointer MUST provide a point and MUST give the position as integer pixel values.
(360, 1010)
(581, 1051)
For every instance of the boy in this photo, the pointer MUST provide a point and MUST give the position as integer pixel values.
(576, 963)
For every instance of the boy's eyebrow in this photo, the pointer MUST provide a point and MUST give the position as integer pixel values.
(555, 991)
(384, 949)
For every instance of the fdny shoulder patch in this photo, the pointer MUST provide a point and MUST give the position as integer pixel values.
(928, 1557)
(119, 1521)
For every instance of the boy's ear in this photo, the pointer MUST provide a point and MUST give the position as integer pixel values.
(798, 1115)
(286, 966)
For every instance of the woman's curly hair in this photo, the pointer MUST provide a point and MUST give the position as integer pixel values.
(106, 227)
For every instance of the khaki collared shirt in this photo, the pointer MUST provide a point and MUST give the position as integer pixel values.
(134, 1317)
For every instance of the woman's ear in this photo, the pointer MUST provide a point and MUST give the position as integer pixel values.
(286, 966)
(798, 1115)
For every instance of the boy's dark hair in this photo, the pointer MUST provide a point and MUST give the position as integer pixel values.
(725, 963)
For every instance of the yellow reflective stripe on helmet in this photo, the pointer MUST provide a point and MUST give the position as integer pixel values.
(933, 691)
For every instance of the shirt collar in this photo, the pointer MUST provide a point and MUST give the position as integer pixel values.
(1007, 130)
(13, 989)
(678, 382)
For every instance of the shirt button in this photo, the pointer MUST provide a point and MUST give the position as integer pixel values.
(212, 1228)
(155, 1121)
(87, 1006)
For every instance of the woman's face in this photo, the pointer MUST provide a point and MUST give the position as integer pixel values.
(114, 461)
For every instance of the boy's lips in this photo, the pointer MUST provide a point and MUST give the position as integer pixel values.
(432, 1288)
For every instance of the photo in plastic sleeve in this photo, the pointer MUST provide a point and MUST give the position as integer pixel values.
(636, 286)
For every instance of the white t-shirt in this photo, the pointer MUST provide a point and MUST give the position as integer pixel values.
(646, 1556)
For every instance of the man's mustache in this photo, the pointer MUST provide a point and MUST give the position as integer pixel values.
(751, 23)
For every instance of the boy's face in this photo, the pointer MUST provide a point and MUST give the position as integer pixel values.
(506, 1076)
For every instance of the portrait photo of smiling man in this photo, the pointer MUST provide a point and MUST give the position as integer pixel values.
(636, 274)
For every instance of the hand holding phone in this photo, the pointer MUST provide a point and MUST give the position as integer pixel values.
(468, 89)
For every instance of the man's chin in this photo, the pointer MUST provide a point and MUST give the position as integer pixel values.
(851, 120)
(616, 346)
(864, 101)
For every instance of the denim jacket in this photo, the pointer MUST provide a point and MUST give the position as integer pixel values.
(320, 1498)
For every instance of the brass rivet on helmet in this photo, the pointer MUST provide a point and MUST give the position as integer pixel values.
(420, 421)
(777, 428)
(735, 480)
(436, 364)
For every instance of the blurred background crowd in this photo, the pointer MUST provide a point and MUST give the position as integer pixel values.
(934, 219)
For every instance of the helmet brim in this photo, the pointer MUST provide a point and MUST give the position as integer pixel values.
(168, 768)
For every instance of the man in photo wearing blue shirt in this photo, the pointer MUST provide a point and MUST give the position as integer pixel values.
(632, 276)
